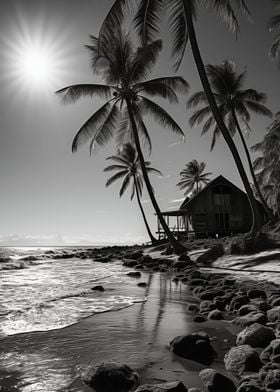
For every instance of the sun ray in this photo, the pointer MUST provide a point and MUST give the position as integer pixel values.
(35, 58)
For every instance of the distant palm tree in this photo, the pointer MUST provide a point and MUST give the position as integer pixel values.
(274, 24)
(127, 89)
(235, 104)
(192, 177)
(128, 167)
(182, 14)
(267, 166)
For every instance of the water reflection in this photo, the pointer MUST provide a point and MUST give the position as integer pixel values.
(139, 335)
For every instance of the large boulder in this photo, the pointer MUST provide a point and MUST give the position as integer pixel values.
(271, 351)
(214, 381)
(211, 254)
(242, 359)
(176, 386)
(195, 346)
(238, 301)
(111, 377)
(274, 314)
(256, 335)
(129, 263)
(215, 315)
(250, 318)
(210, 294)
(250, 386)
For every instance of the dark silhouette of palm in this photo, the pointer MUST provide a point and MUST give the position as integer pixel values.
(235, 104)
(181, 15)
(267, 166)
(192, 177)
(127, 91)
(274, 25)
(128, 168)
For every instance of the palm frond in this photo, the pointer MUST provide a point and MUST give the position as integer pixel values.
(106, 130)
(196, 99)
(91, 126)
(199, 116)
(274, 50)
(71, 94)
(125, 184)
(153, 170)
(258, 108)
(160, 115)
(144, 61)
(114, 167)
(147, 20)
(274, 23)
(116, 177)
(179, 30)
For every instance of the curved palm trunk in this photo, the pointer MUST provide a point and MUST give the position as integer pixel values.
(177, 247)
(267, 209)
(152, 238)
(218, 118)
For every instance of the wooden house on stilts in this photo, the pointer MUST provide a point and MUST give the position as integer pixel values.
(219, 209)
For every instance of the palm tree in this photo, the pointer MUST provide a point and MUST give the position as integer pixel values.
(182, 14)
(274, 24)
(235, 104)
(127, 165)
(127, 90)
(192, 177)
(267, 166)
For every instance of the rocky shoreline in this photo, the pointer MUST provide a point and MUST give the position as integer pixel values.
(253, 363)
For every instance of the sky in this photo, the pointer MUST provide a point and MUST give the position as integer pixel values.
(51, 196)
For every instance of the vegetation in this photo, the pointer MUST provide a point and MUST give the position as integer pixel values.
(193, 177)
(128, 168)
(182, 15)
(127, 91)
(268, 165)
(274, 24)
(235, 105)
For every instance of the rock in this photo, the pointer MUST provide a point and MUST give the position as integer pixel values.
(194, 390)
(98, 288)
(215, 315)
(136, 255)
(272, 379)
(211, 255)
(192, 308)
(146, 260)
(239, 301)
(130, 263)
(199, 319)
(176, 386)
(142, 284)
(168, 251)
(134, 274)
(275, 302)
(215, 381)
(181, 264)
(195, 346)
(256, 293)
(242, 359)
(206, 306)
(111, 377)
(211, 294)
(184, 257)
(274, 314)
(251, 318)
(246, 309)
(256, 335)
(272, 350)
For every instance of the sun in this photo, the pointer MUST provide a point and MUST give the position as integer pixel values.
(36, 58)
(37, 65)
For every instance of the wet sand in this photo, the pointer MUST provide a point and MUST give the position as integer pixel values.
(138, 336)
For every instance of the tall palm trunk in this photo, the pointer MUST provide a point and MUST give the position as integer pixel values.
(177, 247)
(256, 184)
(256, 225)
(152, 238)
